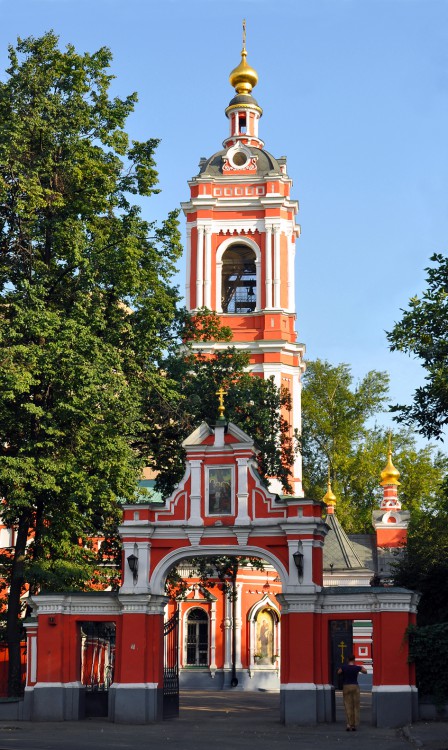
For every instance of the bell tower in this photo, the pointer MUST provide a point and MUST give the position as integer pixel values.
(241, 235)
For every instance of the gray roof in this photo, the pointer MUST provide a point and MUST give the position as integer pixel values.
(341, 553)
(265, 163)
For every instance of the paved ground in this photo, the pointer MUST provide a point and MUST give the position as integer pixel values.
(222, 721)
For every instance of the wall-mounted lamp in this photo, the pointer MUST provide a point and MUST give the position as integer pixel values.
(298, 560)
(133, 565)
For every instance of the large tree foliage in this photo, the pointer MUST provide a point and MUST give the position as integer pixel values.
(86, 311)
(339, 437)
(256, 405)
(423, 333)
(423, 564)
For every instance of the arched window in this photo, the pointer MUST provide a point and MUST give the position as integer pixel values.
(196, 641)
(239, 280)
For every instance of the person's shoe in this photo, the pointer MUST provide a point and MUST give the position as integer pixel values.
(349, 729)
(353, 729)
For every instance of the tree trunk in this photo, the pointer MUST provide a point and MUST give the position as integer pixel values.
(13, 622)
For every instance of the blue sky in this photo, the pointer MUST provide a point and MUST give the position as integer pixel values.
(354, 93)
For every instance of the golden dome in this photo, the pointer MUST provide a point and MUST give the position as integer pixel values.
(329, 498)
(243, 78)
(389, 475)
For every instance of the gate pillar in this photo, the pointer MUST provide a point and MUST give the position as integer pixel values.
(394, 693)
(304, 697)
(136, 695)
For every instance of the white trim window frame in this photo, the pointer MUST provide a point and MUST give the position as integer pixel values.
(220, 497)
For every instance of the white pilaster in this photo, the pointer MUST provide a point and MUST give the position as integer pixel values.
(242, 493)
(200, 268)
(277, 279)
(291, 275)
(195, 518)
(188, 270)
(268, 275)
(208, 266)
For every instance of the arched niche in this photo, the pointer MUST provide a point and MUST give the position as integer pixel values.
(238, 263)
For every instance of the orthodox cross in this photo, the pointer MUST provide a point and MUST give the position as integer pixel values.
(221, 393)
(342, 645)
(244, 33)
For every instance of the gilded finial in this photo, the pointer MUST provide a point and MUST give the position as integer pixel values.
(221, 393)
(389, 475)
(243, 78)
(329, 498)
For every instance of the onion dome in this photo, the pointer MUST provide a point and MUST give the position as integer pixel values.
(243, 78)
(389, 475)
(329, 498)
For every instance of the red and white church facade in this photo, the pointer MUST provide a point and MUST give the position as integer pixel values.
(241, 233)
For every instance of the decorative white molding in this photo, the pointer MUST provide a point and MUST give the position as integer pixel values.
(194, 535)
(134, 686)
(299, 686)
(394, 689)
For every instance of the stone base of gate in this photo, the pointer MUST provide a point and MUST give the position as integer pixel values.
(307, 704)
(55, 702)
(394, 705)
(135, 703)
(220, 679)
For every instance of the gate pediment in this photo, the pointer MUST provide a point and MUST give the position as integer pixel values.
(221, 485)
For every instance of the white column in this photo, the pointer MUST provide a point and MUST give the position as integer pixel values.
(277, 279)
(200, 268)
(188, 270)
(213, 638)
(218, 301)
(258, 284)
(208, 267)
(238, 624)
(291, 275)
(227, 635)
(268, 276)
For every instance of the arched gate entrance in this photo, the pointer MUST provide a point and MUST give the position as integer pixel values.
(220, 508)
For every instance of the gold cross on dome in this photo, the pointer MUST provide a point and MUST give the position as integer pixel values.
(221, 393)
(244, 33)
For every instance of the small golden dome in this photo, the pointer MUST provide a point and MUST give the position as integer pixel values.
(243, 78)
(329, 498)
(389, 475)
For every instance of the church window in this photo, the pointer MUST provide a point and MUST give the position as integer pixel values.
(239, 280)
(196, 641)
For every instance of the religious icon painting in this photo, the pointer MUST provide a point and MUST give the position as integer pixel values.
(220, 491)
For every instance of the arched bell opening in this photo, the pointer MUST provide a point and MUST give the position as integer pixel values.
(239, 280)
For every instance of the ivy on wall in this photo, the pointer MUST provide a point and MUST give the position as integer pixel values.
(428, 649)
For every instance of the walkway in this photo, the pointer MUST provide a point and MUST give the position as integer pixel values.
(221, 721)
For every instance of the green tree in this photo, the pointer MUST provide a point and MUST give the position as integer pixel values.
(338, 436)
(423, 333)
(423, 564)
(256, 405)
(86, 312)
